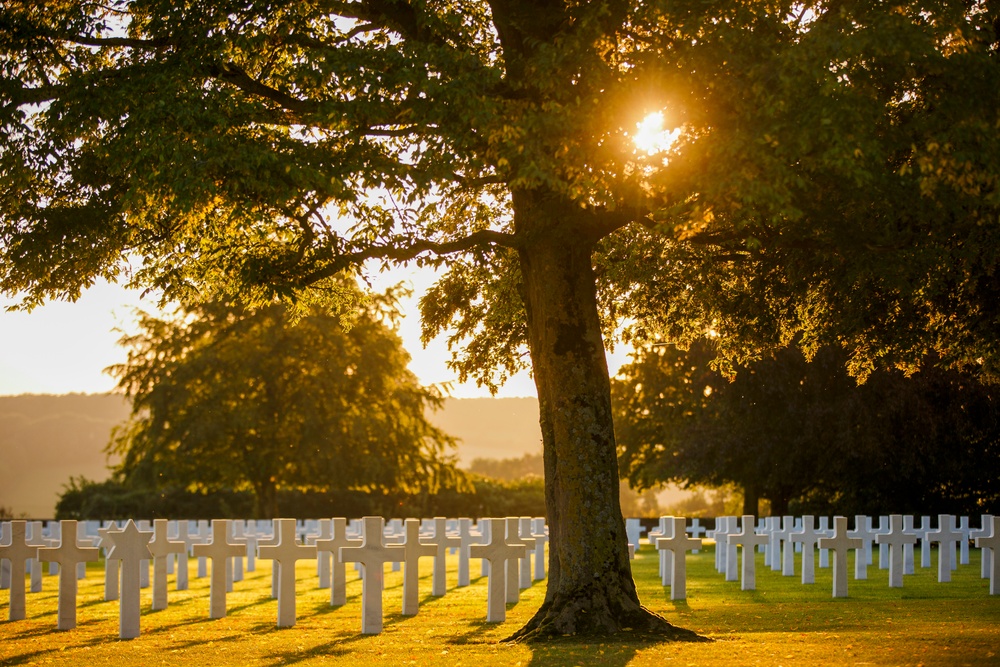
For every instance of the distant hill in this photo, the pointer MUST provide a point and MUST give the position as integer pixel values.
(45, 440)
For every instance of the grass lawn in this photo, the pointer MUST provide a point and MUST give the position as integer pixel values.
(782, 623)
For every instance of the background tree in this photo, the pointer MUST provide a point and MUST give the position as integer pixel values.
(803, 434)
(835, 179)
(224, 397)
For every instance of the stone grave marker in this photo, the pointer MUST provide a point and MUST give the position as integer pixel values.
(129, 547)
(514, 566)
(525, 535)
(36, 539)
(825, 531)
(661, 531)
(203, 535)
(895, 539)
(483, 527)
(945, 536)
(678, 544)
(17, 552)
(161, 547)
(466, 539)
(373, 554)
(992, 544)
(285, 554)
(220, 551)
(4, 565)
(908, 528)
(963, 543)
(144, 579)
(338, 570)
(808, 537)
(883, 548)
(840, 544)
(787, 547)
(634, 531)
(184, 537)
(541, 535)
(323, 571)
(112, 566)
(413, 550)
(442, 542)
(67, 555)
(986, 555)
(925, 544)
(696, 530)
(498, 553)
(863, 532)
(749, 539)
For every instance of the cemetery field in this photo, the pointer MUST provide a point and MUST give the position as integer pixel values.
(781, 623)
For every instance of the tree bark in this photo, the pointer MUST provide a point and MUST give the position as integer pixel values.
(590, 586)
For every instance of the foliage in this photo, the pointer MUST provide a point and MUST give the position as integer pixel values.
(83, 499)
(508, 469)
(224, 397)
(803, 433)
(835, 180)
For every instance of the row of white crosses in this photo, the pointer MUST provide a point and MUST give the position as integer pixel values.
(130, 549)
(780, 536)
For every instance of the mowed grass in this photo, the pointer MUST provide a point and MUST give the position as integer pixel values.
(781, 623)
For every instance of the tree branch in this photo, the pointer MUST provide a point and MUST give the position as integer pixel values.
(484, 237)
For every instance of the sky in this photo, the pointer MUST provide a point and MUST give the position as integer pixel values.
(64, 347)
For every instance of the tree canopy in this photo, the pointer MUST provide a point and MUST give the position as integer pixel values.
(805, 435)
(834, 179)
(229, 398)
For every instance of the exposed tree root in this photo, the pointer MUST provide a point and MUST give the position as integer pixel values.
(581, 618)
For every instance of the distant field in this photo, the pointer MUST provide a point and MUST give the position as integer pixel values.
(782, 623)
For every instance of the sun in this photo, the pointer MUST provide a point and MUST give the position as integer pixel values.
(650, 136)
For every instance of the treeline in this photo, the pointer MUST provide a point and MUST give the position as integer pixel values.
(806, 437)
(113, 499)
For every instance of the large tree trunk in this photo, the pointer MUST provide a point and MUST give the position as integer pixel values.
(590, 587)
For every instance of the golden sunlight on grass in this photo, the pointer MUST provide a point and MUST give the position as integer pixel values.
(781, 623)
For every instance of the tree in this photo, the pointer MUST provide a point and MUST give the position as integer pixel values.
(804, 434)
(223, 398)
(261, 147)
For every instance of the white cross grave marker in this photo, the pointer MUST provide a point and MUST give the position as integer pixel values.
(946, 536)
(525, 535)
(67, 555)
(985, 530)
(992, 543)
(338, 571)
(749, 539)
(863, 532)
(678, 544)
(539, 532)
(808, 537)
(112, 567)
(160, 548)
(442, 543)
(498, 553)
(219, 551)
(514, 565)
(373, 554)
(17, 552)
(466, 540)
(413, 550)
(284, 554)
(895, 538)
(129, 547)
(840, 544)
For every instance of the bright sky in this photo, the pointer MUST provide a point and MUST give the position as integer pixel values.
(64, 347)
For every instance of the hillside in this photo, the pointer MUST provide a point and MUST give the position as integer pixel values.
(45, 440)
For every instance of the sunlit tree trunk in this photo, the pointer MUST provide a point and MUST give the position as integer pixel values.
(590, 585)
